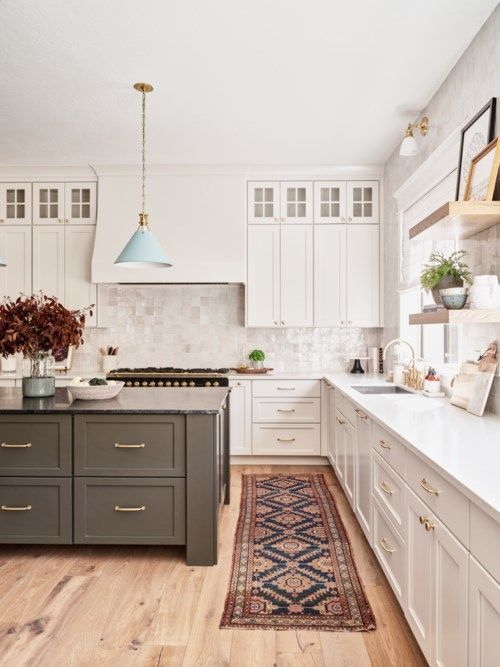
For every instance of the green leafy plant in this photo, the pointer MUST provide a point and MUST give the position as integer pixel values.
(256, 355)
(439, 266)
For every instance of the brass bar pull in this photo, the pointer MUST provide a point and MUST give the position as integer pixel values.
(14, 445)
(286, 388)
(383, 444)
(138, 446)
(425, 485)
(130, 509)
(386, 489)
(283, 410)
(8, 508)
(384, 546)
(285, 439)
(360, 414)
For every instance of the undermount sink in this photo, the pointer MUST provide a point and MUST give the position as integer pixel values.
(380, 389)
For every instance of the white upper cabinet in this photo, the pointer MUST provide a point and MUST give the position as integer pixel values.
(80, 203)
(263, 202)
(15, 247)
(363, 276)
(296, 202)
(64, 203)
(363, 202)
(263, 280)
(330, 202)
(48, 260)
(329, 275)
(15, 203)
(297, 276)
(79, 291)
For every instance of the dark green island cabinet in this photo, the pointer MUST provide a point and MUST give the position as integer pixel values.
(148, 467)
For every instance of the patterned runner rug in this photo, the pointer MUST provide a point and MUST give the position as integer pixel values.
(292, 561)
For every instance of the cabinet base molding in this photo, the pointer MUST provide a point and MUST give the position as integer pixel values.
(279, 460)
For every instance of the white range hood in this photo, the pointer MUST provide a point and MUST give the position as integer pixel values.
(199, 218)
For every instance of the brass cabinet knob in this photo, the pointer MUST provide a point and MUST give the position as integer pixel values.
(276, 219)
(276, 322)
(283, 322)
(282, 219)
(342, 219)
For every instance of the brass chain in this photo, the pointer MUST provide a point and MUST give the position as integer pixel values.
(143, 151)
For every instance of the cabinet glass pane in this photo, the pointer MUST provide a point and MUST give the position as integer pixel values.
(357, 194)
(258, 194)
(53, 210)
(269, 194)
(335, 194)
(43, 211)
(335, 210)
(290, 210)
(86, 195)
(20, 210)
(367, 194)
(269, 210)
(324, 194)
(258, 210)
(20, 196)
(75, 210)
(301, 210)
(301, 194)
(75, 196)
(53, 195)
(368, 210)
(357, 210)
(324, 210)
(44, 196)
(85, 210)
(11, 196)
(11, 211)
(290, 194)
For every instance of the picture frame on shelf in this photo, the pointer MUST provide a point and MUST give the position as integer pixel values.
(63, 359)
(483, 173)
(475, 136)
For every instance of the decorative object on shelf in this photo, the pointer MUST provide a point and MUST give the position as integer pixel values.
(471, 387)
(485, 292)
(432, 382)
(36, 325)
(8, 364)
(483, 174)
(248, 370)
(95, 389)
(442, 272)
(409, 145)
(257, 358)
(143, 250)
(454, 298)
(475, 136)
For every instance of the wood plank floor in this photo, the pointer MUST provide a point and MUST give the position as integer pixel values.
(143, 606)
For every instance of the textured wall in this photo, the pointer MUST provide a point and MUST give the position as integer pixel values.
(203, 325)
(472, 82)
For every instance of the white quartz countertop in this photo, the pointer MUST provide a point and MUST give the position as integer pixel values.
(462, 447)
(278, 375)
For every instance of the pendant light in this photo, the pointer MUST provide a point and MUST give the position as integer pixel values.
(143, 250)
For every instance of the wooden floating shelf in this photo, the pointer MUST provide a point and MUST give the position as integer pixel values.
(458, 220)
(464, 316)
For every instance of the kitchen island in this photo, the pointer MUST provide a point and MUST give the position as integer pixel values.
(150, 466)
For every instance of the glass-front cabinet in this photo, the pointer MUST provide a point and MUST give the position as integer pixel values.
(286, 202)
(330, 203)
(15, 203)
(362, 202)
(64, 203)
(263, 202)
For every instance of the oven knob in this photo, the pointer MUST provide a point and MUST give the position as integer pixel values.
(192, 384)
(184, 384)
(216, 384)
(144, 384)
(168, 384)
(152, 384)
(160, 383)
(128, 384)
(207, 384)
(137, 384)
(176, 384)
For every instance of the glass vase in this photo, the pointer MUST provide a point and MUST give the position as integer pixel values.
(39, 375)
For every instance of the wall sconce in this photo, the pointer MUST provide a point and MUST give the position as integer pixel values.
(409, 145)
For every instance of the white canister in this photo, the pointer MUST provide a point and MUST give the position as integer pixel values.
(109, 362)
(398, 373)
(9, 364)
(373, 364)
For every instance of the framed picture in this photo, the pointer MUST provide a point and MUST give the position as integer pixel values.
(483, 173)
(64, 359)
(475, 136)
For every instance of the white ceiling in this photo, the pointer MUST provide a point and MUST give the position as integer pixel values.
(254, 82)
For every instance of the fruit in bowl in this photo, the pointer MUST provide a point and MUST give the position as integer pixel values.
(94, 388)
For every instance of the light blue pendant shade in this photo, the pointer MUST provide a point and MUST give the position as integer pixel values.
(2, 261)
(143, 252)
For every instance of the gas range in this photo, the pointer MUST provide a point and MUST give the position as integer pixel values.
(169, 376)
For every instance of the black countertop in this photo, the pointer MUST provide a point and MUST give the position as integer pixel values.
(144, 400)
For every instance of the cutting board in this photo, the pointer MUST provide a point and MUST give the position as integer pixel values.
(472, 386)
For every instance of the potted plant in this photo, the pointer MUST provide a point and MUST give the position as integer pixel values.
(257, 358)
(442, 272)
(35, 325)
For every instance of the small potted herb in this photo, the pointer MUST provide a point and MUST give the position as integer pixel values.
(257, 358)
(442, 272)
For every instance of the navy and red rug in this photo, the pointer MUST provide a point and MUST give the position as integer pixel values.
(292, 562)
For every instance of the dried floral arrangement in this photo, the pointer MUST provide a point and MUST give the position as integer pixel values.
(37, 324)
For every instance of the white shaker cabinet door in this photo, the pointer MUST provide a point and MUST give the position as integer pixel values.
(363, 276)
(484, 617)
(263, 202)
(48, 203)
(362, 202)
(80, 201)
(350, 453)
(263, 280)
(340, 446)
(48, 260)
(329, 275)
(297, 276)
(330, 202)
(296, 202)
(15, 247)
(80, 292)
(240, 417)
(332, 431)
(15, 203)
(363, 469)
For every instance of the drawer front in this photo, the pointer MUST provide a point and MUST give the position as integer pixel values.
(33, 445)
(300, 410)
(286, 388)
(485, 540)
(303, 440)
(451, 506)
(388, 489)
(129, 446)
(390, 549)
(389, 449)
(130, 511)
(35, 510)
